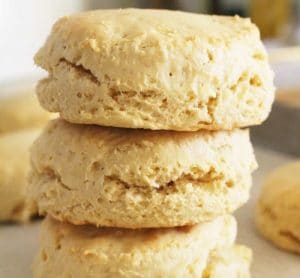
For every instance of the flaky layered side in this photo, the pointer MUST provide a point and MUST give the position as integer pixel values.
(156, 70)
(138, 178)
(86, 251)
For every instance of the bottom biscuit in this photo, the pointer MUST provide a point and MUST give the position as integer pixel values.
(14, 166)
(203, 250)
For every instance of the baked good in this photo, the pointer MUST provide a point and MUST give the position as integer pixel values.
(21, 111)
(139, 178)
(156, 69)
(68, 250)
(14, 167)
(278, 209)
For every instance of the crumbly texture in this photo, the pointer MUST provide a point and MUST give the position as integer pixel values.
(86, 251)
(21, 111)
(233, 262)
(14, 167)
(139, 178)
(278, 209)
(156, 69)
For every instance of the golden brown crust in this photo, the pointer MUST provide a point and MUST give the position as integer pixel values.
(172, 70)
(85, 251)
(139, 178)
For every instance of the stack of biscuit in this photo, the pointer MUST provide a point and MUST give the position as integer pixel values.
(141, 172)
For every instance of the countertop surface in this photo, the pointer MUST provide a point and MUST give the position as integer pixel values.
(18, 244)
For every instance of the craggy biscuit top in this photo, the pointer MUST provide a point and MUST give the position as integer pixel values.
(156, 69)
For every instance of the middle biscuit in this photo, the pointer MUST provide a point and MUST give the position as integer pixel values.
(139, 178)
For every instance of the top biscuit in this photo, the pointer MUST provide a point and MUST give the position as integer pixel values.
(156, 69)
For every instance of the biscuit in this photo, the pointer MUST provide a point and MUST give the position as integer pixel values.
(278, 209)
(20, 112)
(139, 178)
(156, 69)
(14, 167)
(68, 250)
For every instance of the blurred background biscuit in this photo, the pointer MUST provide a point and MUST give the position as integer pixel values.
(20, 111)
(278, 209)
(21, 120)
(14, 167)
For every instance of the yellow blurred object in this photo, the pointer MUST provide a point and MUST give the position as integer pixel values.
(271, 16)
(22, 111)
(21, 118)
(14, 167)
(289, 97)
(285, 54)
